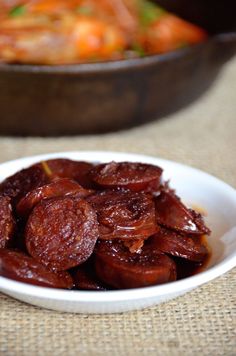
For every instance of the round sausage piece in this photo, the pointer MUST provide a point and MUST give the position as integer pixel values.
(18, 266)
(22, 182)
(119, 268)
(188, 247)
(61, 232)
(124, 215)
(41, 173)
(172, 213)
(59, 187)
(133, 176)
(7, 222)
(67, 168)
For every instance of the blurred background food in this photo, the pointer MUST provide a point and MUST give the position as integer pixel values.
(73, 31)
(85, 66)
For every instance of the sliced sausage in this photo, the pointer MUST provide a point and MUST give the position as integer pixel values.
(188, 247)
(59, 187)
(133, 176)
(22, 182)
(7, 222)
(171, 212)
(66, 168)
(18, 266)
(199, 221)
(61, 232)
(118, 267)
(124, 215)
(41, 173)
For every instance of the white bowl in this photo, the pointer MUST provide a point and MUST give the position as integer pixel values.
(196, 188)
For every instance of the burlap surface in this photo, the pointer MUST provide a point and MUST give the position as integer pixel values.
(200, 322)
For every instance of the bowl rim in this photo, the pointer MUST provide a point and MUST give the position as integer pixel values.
(123, 294)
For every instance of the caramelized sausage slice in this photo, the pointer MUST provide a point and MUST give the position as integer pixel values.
(59, 187)
(119, 268)
(199, 221)
(188, 247)
(39, 174)
(171, 212)
(61, 232)
(124, 215)
(66, 168)
(22, 182)
(7, 223)
(18, 266)
(133, 176)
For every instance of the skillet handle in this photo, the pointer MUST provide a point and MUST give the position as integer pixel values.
(225, 46)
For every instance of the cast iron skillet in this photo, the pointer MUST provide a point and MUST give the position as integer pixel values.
(101, 97)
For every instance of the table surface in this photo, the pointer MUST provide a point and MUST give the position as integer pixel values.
(202, 321)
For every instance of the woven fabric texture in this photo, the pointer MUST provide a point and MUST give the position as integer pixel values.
(200, 322)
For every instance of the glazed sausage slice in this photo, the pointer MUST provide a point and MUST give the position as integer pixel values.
(119, 268)
(19, 184)
(66, 168)
(171, 212)
(188, 247)
(61, 232)
(199, 221)
(7, 222)
(124, 215)
(59, 187)
(133, 176)
(20, 267)
(41, 173)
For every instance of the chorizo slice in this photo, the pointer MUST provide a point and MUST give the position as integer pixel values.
(41, 173)
(199, 221)
(66, 168)
(22, 182)
(61, 232)
(172, 213)
(133, 176)
(59, 187)
(7, 222)
(18, 266)
(172, 243)
(124, 215)
(116, 266)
